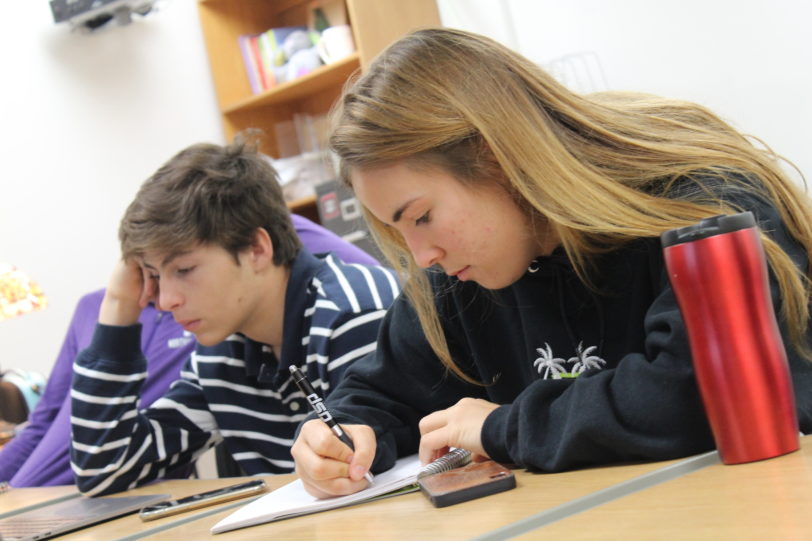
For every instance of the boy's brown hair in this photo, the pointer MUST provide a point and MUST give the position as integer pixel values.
(210, 194)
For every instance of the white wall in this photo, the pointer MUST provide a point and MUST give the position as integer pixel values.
(85, 119)
(748, 60)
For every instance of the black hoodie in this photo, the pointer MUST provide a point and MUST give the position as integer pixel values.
(584, 376)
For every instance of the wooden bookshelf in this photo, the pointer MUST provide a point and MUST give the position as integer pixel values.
(375, 24)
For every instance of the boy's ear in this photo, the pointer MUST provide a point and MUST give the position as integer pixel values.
(261, 249)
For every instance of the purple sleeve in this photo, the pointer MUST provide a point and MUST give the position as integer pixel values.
(40, 454)
(40, 437)
(317, 239)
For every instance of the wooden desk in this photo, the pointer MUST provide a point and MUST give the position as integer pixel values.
(770, 499)
(412, 516)
(406, 517)
(19, 498)
(133, 526)
(764, 500)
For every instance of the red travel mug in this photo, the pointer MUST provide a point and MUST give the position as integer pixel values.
(718, 271)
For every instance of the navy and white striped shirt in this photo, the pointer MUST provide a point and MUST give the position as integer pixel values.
(237, 391)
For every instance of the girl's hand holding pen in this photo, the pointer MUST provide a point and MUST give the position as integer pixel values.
(326, 466)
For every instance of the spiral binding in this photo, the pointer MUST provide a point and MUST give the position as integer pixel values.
(452, 459)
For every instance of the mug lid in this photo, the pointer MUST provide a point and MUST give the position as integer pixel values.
(708, 227)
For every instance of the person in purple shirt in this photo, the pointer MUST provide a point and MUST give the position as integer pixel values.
(40, 454)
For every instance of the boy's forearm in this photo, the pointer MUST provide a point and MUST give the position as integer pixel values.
(118, 312)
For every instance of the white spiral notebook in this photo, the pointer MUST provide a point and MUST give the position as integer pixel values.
(292, 500)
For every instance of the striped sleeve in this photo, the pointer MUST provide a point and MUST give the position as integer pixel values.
(115, 445)
(345, 327)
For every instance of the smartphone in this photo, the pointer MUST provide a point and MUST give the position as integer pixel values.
(459, 485)
(173, 507)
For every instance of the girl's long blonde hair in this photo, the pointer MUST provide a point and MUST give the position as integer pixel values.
(597, 168)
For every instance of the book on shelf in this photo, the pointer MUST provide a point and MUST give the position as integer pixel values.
(265, 75)
(278, 55)
(259, 77)
(250, 62)
(292, 500)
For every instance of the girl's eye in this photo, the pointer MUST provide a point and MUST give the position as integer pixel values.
(184, 271)
(423, 219)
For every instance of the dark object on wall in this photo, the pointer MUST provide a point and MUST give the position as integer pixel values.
(89, 15)
(340, 212)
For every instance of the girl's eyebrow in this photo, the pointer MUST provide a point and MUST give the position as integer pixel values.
(398, 214)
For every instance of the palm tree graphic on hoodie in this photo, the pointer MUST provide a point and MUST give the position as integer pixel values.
(554, 367)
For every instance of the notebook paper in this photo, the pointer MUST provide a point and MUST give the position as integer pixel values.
(292, 500)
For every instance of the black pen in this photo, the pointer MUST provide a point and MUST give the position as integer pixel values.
(320, 408)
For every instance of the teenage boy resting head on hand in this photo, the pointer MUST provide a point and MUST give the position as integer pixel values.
(39, 455)
(209, 238)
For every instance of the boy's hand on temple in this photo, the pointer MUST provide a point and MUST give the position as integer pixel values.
(125, 296)
(457, 426)
(326, 466)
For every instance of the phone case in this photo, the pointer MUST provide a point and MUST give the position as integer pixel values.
(475, 480)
